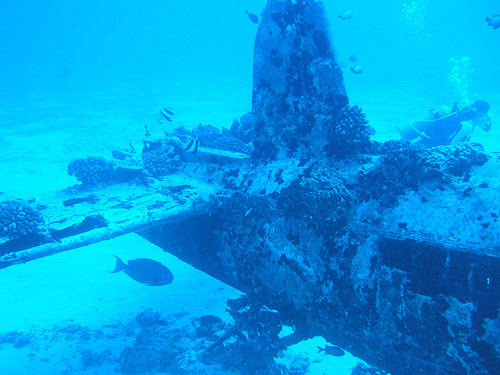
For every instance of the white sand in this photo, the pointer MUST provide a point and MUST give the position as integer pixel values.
(75, 287)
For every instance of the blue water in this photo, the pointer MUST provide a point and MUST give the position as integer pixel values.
(211, 42)
(89, 67)
(79, 78)
(85, 68)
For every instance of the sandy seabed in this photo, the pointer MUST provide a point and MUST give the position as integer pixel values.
(58, 308)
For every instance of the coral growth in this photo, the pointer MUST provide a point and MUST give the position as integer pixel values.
(320, 195)
(348, 132)
(406, 166)
(244, 128)
(221, 139)
(92, 170)
(153, 351)
(402, 166)
(299, 103)
(287, 129)
(339, 131)
(163, 156)
(460, 159)
(209, 326)
(16, 338)
(19, 219)
(149, 318)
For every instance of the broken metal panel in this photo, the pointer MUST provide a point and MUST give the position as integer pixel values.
(121, 208)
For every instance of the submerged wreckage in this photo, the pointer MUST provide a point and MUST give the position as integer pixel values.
(388, 250)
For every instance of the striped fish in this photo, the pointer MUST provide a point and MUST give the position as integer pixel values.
(193, 145)
(166, 113)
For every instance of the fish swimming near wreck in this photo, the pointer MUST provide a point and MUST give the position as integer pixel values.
(331, 350)
(252, 17)
(145, 271)
(166, 113)
(493, 21)
(358, 69)
(347, 15)
(192, 145)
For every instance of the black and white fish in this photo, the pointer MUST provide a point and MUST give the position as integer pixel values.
(166, 113)
(347, 15)
(193, 145)
(331, 350)
(494, 21)
(252, 17)
(145, 271)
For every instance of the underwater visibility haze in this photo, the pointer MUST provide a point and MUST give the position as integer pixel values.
(260, 227)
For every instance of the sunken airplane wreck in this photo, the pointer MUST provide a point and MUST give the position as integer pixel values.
(296, 206)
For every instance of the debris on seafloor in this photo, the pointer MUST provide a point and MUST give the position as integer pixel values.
(88, 199)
